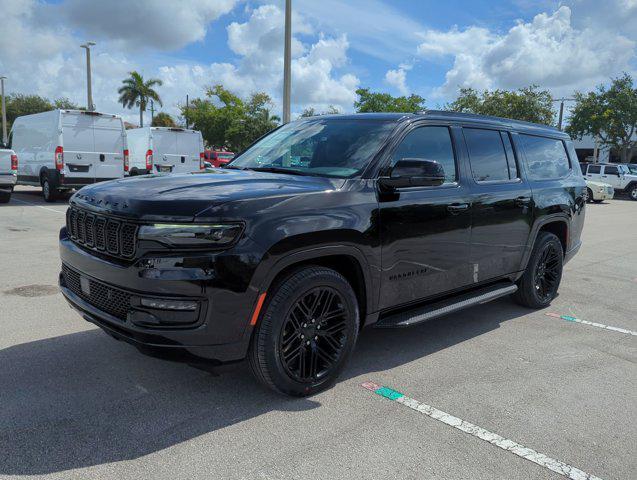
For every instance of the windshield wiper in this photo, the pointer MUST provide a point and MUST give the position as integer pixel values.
(280, 170)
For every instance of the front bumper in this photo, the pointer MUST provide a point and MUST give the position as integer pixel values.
(603, 195)
(108, 293)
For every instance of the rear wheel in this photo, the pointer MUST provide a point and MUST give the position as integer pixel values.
(588, 195)
(306, 333)
(633, 192)
(49, 193)
(538, 286)
(5, 196)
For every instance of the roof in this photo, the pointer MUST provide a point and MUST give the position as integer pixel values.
(459, 117)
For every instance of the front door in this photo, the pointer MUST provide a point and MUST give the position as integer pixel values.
(611, 176)
(502, 204)
(425, 231)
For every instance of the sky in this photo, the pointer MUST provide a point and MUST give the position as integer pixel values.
(429, 48)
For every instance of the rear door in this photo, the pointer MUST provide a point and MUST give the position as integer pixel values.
(502, 204)
(93, 146)
(79, 147)
(165, 150)
(108, 134)
(189, 146)
(594, 172)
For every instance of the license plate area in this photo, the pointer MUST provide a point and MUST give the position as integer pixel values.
(164, 168)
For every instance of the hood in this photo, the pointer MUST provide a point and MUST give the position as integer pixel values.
(182, 197)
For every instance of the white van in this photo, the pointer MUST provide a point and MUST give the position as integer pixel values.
(65, 149)
(164, 149)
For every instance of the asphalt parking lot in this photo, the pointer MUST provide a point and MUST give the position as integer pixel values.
(75, 403)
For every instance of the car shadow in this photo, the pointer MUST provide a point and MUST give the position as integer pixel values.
(83, 399)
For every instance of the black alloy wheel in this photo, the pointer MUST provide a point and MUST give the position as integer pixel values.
(306, 331)
(538, 285)
(314, 334)
(548, 272)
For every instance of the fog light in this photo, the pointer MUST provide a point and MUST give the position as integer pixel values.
(169, 304)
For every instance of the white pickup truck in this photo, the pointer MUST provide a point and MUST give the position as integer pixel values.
(8, 173)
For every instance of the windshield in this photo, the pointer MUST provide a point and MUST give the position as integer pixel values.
(329, 147)
(632, 168)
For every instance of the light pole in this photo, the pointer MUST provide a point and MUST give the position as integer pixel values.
(4, 112)
(561, 117)
(89, 93)
(287, 61)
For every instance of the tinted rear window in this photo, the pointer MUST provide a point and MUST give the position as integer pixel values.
(546, 157)
(611, 171)
(487, 155)
(594, 169)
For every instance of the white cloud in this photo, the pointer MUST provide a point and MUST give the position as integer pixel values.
(161, 24)
(398, 79)
(549, 51)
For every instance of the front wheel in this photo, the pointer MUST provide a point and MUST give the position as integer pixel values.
(538, 286)
(306, 333)
(588, 195)
(633, 193)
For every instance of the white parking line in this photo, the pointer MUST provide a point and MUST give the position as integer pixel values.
(36, 205)
(568, 318)
(493, 438)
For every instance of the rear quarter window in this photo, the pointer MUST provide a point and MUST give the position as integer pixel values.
(546, 157)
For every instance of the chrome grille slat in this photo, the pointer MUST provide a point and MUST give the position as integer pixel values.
(112, 236)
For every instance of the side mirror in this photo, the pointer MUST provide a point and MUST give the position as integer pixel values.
(414, 172)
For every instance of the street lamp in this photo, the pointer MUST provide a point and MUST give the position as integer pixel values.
(4, 112)
(287, 61)
(561, 117)
(89, 93)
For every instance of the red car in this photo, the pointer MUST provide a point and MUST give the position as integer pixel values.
(218, 158)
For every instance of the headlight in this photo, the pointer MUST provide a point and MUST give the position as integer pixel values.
(601, 189)
(191, 235)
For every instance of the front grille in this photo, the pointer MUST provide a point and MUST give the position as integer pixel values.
(101, 233)
(107, 299)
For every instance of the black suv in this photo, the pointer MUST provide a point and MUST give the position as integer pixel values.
(322, 227)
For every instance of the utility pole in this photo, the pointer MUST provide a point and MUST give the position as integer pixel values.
(187, 107)
(561, 117)
(287, 62)
(4, 112)
(89, 93)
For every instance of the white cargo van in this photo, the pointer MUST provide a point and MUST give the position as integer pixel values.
(164, 149)
(8, 172)
(65, 149)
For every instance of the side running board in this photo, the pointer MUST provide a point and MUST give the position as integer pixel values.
(429, 311)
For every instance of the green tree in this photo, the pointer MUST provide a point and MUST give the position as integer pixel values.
(384, 102)
(311, 112)
(225, 120)
(162, 119)
(608, 114)
(528, 104)
(64, 103)
(18, 104)
(137, 92)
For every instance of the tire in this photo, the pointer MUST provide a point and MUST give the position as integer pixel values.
(289, 352)
(588, 196)
(597, 201)
(531, 293)
(632, 193)
(49, 193)
(5, 197)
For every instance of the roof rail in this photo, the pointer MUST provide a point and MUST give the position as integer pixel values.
(475, 116)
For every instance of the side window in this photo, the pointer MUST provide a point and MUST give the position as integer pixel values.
(432, 143)
(487, 155)
(608, 170)
(546, 157)
(594, 169)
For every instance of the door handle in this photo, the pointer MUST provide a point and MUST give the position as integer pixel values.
(523, 201)
(456, 208)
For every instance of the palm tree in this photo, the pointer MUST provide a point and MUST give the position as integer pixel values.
(137, 92)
